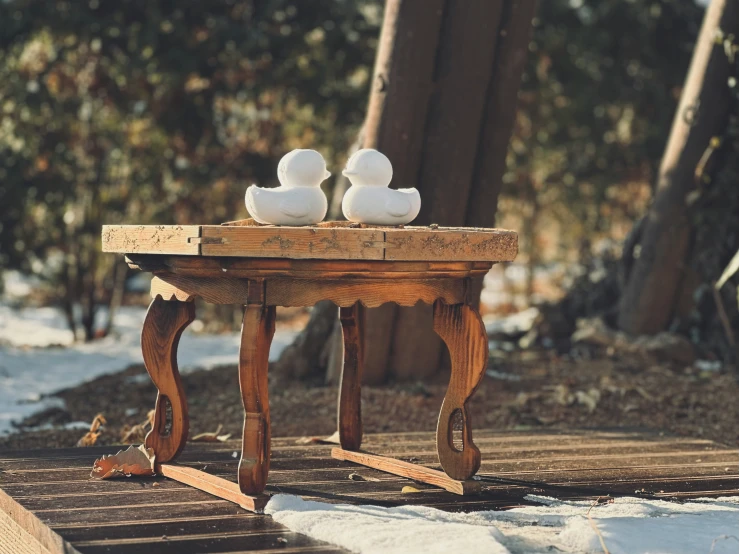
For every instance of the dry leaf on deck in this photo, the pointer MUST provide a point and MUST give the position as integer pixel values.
(212, 437)
(333, 439)
(137, 433)
(133, 434)
(409, 489)
(136, 460)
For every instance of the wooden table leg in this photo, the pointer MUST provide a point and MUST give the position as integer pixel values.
(463, 331)
(350, 389)
(160, 337)
(256, 336)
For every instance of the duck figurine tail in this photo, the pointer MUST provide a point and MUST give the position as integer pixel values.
(299, 199)
(369, 200)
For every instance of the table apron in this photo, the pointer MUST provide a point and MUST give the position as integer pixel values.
(292, 292)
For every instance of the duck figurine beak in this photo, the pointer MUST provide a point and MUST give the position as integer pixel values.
(327, 174)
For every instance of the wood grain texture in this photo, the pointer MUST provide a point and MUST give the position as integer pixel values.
(215, 290)
(21, 531)
(459, 245)
(165, 321)
(292, 242)
(462, 330)
(162, 239)
(256, 336)
(217, 486)
(350, 387)
(409, 470)
(371, 293)
(423, 244)
(131, 516)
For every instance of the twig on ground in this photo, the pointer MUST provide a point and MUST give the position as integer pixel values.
(721, 538)
(594, 526)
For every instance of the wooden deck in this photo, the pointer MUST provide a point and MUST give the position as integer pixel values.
(50, 504)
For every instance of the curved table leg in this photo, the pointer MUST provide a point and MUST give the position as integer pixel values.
(350, 389)
(160, 337)
(256, 337)
(463, 331)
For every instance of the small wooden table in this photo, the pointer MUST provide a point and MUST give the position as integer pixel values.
(262, 267)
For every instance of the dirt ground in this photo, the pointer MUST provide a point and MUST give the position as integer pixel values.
(526, 389)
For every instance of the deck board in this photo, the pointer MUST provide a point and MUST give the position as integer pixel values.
(51, 488)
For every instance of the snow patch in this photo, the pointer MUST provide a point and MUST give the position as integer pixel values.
(39, 356)
(375, 530)
(628, 526)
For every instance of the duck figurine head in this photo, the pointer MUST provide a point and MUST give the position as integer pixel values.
(368, 167)
(302, 168)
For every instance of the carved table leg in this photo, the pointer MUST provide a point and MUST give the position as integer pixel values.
(256, 337)
(461, 328)
(350, 391)
(160, 337)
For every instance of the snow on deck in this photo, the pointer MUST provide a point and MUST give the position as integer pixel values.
(626, 526)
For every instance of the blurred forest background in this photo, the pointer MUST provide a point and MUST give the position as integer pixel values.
(163, 112)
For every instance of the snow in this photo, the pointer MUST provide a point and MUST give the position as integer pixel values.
(38, 355)
(627, 526)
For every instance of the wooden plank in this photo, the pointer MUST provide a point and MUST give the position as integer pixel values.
(132, 515)
(227, 490)
(21, 530)
(495, 245)
(263, 542)
(161, 239)
(293, 242)
(406, 469)
(422, 244)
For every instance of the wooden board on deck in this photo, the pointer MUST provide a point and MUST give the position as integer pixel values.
(48, 494)
(321, 241)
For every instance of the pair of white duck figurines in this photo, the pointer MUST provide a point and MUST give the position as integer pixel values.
(299, 199)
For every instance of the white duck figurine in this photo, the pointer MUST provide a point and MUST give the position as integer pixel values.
(299, 200)
(369, 200)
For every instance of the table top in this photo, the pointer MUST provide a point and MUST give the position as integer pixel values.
(333, 240)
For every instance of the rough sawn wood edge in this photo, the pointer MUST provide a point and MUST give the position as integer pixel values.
(217, 486)
(45, 539)
(408, 470)
(315, 242)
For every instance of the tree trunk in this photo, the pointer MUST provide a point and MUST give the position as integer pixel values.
(648, 300)
(446, 76)
(441, 108)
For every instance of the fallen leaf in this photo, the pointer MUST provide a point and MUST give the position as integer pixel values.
(136, 460)
(137, 433)
(589, 399)
(333, 439)
(408, 489)
(212, 437)
(91, 437)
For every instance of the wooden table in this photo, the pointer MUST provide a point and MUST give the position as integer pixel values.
(262, 267)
